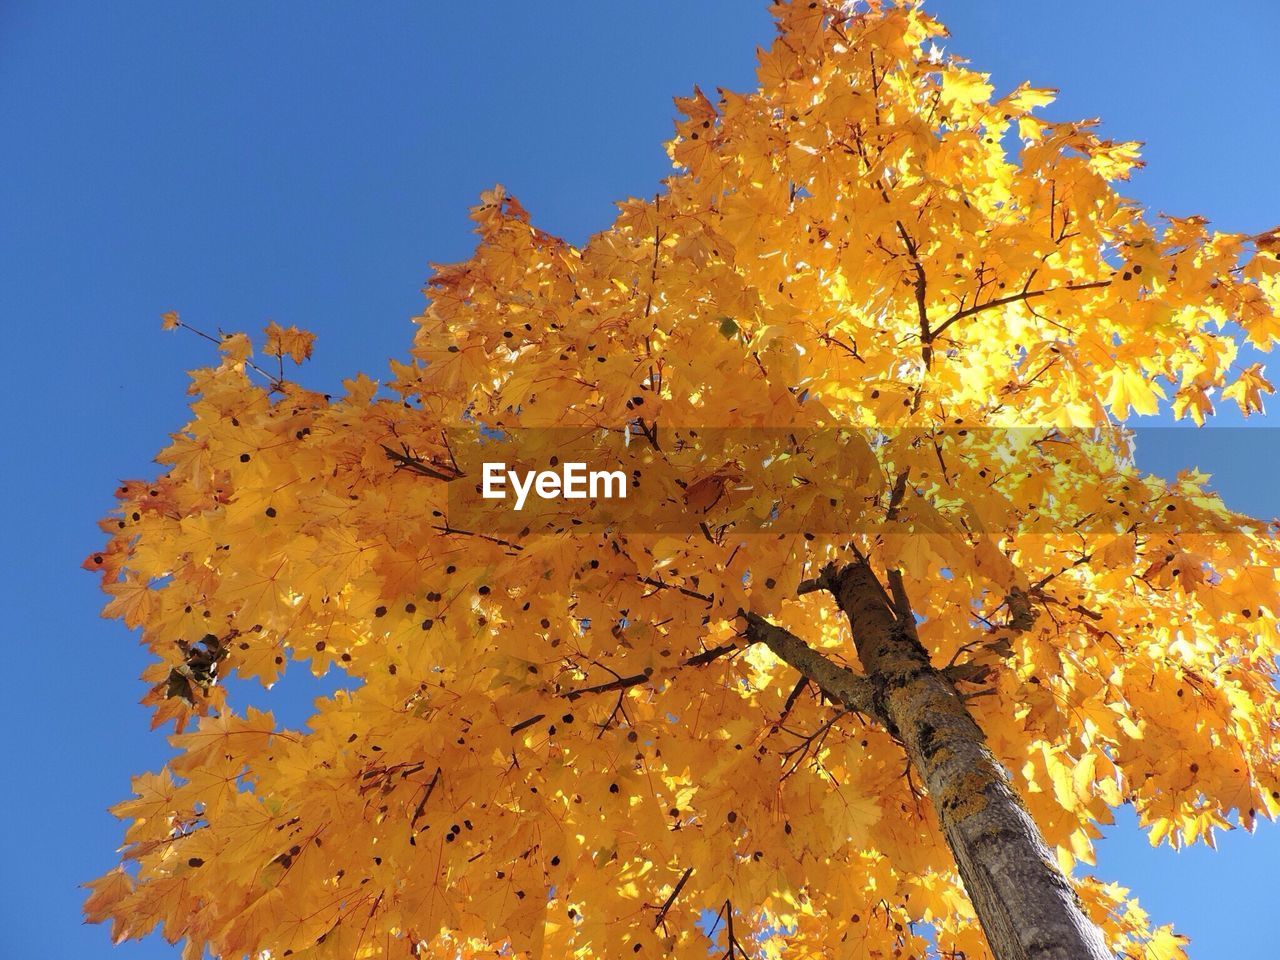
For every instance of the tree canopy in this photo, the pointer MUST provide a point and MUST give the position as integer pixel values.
(877, 314)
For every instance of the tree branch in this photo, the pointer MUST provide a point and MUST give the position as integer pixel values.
(406, 459)
(622, 684)
(1013, 298)
(922, 296)
(899, 492)
(662, 914)
(662, 585)
(901, 602)
(841, 684)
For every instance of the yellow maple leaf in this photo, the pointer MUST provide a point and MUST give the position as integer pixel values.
(288, 341)
(1249, 388)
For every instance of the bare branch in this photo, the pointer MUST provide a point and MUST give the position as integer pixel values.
(921, 286)
(792, 697)
(899, 492)
(825, 580)
(622, 683)
(662, 914)
(841, 684)
(706, 656)
(406, 459)
(459, 532)
(1022, 295)
(525, 724)
(967, 672)
(901, 602)
(662, 585)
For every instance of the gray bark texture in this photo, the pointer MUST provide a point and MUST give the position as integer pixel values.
(1027, 907)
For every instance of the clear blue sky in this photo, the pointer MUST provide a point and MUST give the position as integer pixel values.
(304, 162)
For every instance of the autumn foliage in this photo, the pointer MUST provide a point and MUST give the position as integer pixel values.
(558, 740)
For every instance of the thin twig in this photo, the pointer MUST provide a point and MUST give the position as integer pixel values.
(662, 914)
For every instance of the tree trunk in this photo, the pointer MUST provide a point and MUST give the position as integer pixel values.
(1026, 905)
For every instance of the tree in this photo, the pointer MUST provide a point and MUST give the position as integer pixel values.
(887, 624)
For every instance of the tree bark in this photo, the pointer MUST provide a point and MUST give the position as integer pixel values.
(1027, 907)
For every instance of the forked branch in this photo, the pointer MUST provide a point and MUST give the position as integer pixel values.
(839, 683)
